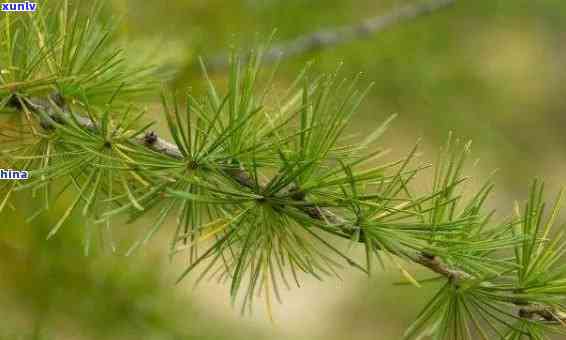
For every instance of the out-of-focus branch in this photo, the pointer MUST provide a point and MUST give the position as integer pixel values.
(339, 35)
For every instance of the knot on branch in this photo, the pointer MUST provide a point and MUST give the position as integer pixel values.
(14, 103)
(150, 138)
(192, 165)
(58, 100)
(297, 194)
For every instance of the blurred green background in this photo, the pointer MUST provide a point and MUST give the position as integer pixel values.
(488, 70)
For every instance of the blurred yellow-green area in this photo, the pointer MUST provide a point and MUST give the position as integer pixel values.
(487, 70)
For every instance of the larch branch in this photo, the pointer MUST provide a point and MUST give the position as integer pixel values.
(152, 141)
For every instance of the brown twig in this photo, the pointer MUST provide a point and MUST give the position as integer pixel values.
(436, 264)
(542, 313)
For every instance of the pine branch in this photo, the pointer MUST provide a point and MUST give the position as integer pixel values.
(212, 176)
(55, 106)
(335, 36)
(157, 144)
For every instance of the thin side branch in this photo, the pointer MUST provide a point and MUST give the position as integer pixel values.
(542, 313)
(331, 37)
(436, 264)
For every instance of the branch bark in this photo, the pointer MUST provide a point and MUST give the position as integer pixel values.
(540, 312)
(339, 35)
(436, 264)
